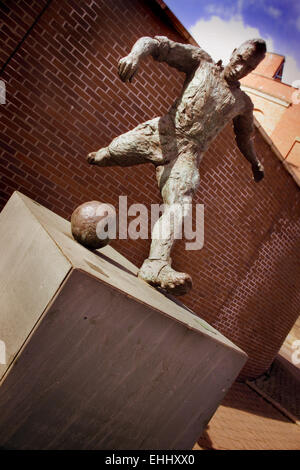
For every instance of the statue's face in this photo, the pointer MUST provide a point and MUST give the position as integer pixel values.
(243, 60)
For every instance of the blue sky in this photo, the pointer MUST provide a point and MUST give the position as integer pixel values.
(220, 25)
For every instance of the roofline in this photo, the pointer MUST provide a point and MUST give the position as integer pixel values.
(176, 23)
(275, 53)
(184, 32)
(271, 78)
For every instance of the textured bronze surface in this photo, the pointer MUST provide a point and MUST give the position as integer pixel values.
(175, 143)
(84, 222)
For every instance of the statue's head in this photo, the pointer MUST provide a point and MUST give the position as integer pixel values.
(245, 59)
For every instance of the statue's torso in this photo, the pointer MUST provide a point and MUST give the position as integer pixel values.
(206, 105)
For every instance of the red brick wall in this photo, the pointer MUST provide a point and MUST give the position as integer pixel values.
(64, 99)
(16, 20)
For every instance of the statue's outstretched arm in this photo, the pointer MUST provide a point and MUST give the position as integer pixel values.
(244, 133)
(183, 57)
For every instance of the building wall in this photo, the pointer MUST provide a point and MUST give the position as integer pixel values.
(267, 112)
(294, 154)
(288, 130)
(280, 120)
(270, 65)
(64, 99)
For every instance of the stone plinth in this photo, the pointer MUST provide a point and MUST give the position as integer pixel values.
(96, 358)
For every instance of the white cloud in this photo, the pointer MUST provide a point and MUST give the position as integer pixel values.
(219, 37)
(291, 70)
(220, 10)
(274, 12)
(217, 9)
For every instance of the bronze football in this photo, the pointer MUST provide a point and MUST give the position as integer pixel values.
(89, 224)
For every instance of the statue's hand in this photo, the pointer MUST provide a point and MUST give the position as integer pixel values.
(128, 67)
(258, 172)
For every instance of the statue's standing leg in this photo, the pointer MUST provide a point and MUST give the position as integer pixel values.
(178, 182)
(176, 159)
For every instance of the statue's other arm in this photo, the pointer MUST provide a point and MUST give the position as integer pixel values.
(244, 134)
(183, 57)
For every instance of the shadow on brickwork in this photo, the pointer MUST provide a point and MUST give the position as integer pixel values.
(281, 387)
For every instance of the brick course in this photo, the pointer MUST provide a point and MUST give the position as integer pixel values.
(64, 99)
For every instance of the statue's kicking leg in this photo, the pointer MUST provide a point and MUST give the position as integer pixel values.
(140, 145)
(178, 182)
